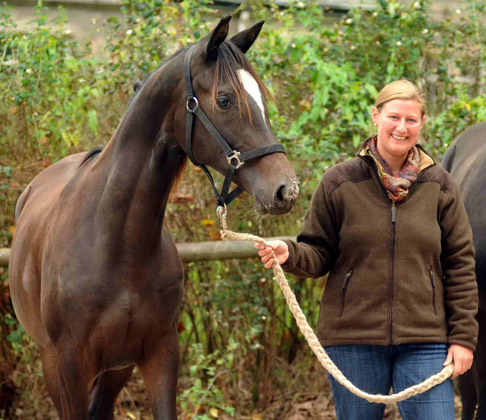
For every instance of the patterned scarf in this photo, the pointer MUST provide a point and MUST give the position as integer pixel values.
(396, 186)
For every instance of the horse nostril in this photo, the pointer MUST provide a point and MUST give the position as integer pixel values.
(280, 195)
(287, 193)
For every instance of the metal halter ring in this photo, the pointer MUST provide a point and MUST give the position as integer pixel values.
(194, 100)
(221, 212)
(235, 156)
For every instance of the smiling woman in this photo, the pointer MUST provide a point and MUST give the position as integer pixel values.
(400, 300)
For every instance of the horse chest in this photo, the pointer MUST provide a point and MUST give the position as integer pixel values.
(131, 322)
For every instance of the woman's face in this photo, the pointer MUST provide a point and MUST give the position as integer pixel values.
(399, 123)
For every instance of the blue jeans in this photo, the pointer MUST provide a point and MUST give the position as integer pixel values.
(376, 369)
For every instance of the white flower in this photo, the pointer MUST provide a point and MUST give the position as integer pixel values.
(353, 47)
(375, 14)
(292, 45)
(67, 31)
(399, 43)
(28, 71)
(458, 11)
(138, 20)
(301, 4)
(416, 5)
(81, 80)
(129, 32)
(425, 31)
(349, 21)
(264, 317)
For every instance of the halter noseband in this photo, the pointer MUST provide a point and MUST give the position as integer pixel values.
(235, 158)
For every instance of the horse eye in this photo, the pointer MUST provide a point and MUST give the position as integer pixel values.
(223, 102)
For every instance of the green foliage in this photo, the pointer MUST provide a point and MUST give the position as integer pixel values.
(58, 96)
(45, 86)
(204, 397)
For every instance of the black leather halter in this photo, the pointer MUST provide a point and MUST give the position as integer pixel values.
(235, 158)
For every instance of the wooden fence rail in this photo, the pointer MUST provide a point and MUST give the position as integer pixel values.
(196, 251)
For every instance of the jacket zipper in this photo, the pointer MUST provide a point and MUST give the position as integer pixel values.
(432, 280)
(343, 293)
(392, 288)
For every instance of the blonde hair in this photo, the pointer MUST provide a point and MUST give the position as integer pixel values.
(401, 89)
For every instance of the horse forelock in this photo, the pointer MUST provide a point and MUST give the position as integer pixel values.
(229, 63)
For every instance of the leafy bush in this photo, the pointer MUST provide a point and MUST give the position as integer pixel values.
(57, 97)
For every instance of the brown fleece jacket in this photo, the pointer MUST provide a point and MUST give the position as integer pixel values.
(398, 274)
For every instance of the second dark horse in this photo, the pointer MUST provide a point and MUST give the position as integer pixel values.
(95, 276)
(466, 161)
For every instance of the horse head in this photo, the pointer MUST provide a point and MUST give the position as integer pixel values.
(234, 100)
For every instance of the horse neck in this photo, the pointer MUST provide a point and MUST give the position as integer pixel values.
(140, 163)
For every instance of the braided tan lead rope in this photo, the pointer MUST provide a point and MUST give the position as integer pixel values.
(311, 338)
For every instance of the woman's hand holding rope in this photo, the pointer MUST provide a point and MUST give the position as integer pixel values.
(279, 248)
(462, 358)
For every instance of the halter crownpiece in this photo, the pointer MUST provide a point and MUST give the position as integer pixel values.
(235, 158)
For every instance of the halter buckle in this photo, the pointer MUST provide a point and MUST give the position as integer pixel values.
(192, 99)
(235, 156)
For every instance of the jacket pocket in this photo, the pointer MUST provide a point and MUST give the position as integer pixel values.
(343, 292)
(432, 282)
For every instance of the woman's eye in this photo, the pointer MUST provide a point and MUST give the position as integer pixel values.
(223, 102)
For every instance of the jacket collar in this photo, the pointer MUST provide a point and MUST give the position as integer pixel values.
(426, 160)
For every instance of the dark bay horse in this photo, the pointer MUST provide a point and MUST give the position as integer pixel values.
(94, 274)
(466, 161)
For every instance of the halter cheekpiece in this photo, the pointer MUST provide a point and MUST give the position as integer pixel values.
(235, 158)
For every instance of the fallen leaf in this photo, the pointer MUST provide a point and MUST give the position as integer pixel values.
(215, 235)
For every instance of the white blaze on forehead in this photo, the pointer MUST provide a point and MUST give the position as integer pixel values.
(252, 88)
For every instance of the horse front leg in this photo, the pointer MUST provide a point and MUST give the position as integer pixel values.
(51, 377)
(159, 373)
(74, 379)
(108, 386)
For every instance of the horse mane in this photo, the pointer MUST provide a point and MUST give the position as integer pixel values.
(229, 60)
(90, 154)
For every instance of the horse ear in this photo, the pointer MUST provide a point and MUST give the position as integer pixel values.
(245, 39)
(216, 38)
